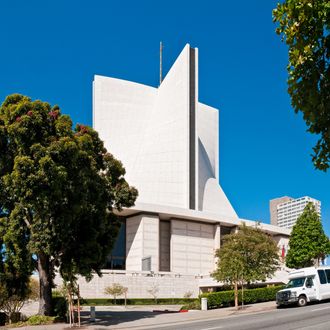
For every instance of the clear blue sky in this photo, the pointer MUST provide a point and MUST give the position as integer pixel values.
(51, 49)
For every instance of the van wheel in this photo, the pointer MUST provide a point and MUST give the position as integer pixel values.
(302, 301)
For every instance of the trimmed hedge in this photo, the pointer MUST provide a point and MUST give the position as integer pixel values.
(227, 298)
(136, 301)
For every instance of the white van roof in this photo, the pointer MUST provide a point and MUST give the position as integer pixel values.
(306, 271)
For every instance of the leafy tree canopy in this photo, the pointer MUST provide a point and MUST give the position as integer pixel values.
(246, 256)
(308, 243)
(305, 27)
(58, 188)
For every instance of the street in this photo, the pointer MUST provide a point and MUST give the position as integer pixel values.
(254, 317)
(311, 317)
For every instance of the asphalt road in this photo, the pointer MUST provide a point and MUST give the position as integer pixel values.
(311, 317)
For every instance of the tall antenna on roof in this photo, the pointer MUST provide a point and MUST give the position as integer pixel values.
(160, 62)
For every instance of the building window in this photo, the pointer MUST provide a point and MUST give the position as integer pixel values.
(117, 258)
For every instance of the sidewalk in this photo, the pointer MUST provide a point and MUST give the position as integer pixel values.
(143, 317)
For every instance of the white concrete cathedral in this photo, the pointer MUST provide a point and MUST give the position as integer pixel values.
(166, 139)
(168, 142)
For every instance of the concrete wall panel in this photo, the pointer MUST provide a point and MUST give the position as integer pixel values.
(192, 247)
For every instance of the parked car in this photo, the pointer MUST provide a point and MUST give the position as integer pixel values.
(305, 285)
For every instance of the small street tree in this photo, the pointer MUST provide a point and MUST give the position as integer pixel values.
(246, 256)
(305, 27)
(116, 290)
(230, 265)
(153, 291)
(58, 189)
(308, 244)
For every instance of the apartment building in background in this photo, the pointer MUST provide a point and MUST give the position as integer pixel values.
(284, 211)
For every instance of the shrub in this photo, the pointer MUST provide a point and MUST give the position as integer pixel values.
(40, 319)
(3, 318)
(192, 305)
(59, 307)
(226, 298)
(188, 294)
(13, 299)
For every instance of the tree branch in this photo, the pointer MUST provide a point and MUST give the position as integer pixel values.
(27, 222)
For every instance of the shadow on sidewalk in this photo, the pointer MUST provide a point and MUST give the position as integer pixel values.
(108, 318)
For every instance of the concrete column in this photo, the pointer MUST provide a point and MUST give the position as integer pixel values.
(217, 238)
(142, 240)
(151, 240)
(134, 237)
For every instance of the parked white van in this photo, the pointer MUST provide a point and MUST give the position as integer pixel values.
(305, 285)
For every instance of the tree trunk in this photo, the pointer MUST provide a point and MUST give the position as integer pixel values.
(45, 281)
(236, 295)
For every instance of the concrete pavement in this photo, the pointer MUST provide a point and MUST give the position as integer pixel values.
(144, 317)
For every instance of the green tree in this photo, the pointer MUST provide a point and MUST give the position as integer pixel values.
(58, 190)
(246, 256)
(308, 244)
(305, 27)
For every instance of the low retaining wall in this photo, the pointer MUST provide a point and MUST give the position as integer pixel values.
(169, 285)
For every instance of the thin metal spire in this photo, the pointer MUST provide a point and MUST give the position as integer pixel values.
(160, 63)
